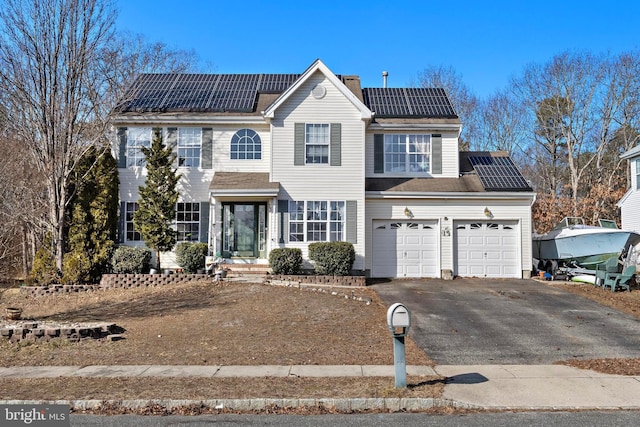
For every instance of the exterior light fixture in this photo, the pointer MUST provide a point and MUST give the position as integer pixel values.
(407, 212)
(488, 213)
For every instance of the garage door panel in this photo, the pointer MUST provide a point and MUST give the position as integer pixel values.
(414, 244)
(486, 249)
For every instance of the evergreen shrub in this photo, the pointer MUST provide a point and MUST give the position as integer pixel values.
(129, 260)
(285, 260)
(332, 258)
(191, 256)
(77, 269)
(44, 270)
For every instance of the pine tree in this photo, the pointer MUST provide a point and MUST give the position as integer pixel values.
(158, 197)
(93, 217)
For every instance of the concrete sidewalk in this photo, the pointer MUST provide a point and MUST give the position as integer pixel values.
(492, 387)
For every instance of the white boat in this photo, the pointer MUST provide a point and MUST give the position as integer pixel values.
(572, 243)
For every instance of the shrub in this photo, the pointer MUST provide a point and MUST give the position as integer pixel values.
(191, 256)
(128, 259)
(77, 269)
(44, 270)
(285, 260)
(333, 258)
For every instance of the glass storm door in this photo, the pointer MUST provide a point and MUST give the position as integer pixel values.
(244, 233)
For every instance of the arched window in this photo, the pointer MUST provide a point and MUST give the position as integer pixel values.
(246, 145)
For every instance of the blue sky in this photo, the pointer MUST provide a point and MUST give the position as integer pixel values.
(485, 42)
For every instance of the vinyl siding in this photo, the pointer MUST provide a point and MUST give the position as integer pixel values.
(453, 210)
(629, 212)
(321, 182)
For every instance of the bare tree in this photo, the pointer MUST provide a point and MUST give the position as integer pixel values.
(47, 48)
(567, 90)
(464, 102)
(503, 124)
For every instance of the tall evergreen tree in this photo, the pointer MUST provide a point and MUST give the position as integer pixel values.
(94, 217)
(158, 197)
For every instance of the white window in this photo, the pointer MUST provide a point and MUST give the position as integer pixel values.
(188, 221)
(246, 145)
(407, 153)
(316, 221)
(317, 143)
(131, 234)
(189, 146)
(136, 139)
(637, 174)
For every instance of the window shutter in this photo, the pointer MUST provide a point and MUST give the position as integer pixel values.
(121, 222)
(298, 145)
(172, 137)
(335, 144)
(352, 221)
(436, 154)
(204, 222)
(283, 211)
(207, 148)
(378, 153)
(122, 147)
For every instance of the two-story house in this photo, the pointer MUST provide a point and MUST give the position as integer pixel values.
(284, 160)
(630, 203)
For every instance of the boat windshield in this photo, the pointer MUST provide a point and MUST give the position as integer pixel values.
(569, 221)
(607, 223)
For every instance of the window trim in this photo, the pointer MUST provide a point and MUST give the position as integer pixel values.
(311, 219)
(325, 143)
(180, 144)
(637, 173)
(194, 223)
(130, 208)
(255, 141)
(405, 156)
(134, 146)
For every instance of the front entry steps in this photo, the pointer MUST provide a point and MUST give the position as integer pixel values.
(246, 272)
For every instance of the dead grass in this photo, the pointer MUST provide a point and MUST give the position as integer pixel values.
(212, 324)
(626, 302)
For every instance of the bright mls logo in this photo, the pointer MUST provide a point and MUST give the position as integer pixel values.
(35, 415)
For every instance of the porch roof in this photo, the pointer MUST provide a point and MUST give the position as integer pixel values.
(243, 184)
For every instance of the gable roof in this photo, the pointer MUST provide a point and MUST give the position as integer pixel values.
(318, 66)
(253, 94)
(635, 151)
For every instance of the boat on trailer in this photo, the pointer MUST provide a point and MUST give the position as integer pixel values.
(573, 244)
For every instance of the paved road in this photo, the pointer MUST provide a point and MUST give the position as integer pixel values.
(484, 321)
(568, 419)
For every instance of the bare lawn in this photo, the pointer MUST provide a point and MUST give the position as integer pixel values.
(213, 324)
(235, 324)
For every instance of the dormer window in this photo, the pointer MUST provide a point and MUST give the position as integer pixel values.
(410, 153)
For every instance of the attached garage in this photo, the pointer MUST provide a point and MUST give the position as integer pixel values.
(486, 249)
(405, 249)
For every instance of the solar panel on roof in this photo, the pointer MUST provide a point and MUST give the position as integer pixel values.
(498, 173)
(408, 102)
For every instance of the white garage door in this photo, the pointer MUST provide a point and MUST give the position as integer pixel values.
(487, 249)
(405, 249)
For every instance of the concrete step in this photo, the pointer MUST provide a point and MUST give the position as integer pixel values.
(235, 270)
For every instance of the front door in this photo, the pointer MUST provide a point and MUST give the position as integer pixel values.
(244, 231)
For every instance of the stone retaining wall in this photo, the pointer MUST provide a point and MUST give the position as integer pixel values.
(319, 280)
(146, 280)
(34, 331)
(109, 281)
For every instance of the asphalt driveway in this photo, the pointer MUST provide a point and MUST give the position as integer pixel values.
(508, 321)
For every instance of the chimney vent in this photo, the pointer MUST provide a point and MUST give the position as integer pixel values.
(384, 78)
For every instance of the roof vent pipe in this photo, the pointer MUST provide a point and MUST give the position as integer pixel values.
(384, 78)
